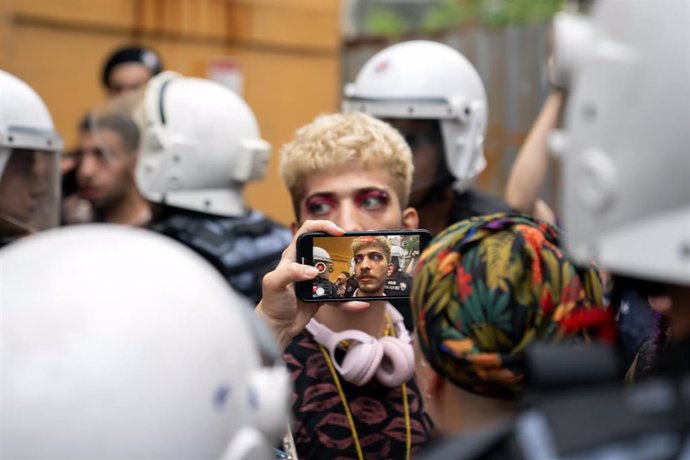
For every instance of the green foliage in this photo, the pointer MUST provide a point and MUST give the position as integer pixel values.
(504, 12)
(446, 15)
(388, 20)
(385, 22)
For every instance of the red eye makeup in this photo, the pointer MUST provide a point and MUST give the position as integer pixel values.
(372, 199)
(320, 205)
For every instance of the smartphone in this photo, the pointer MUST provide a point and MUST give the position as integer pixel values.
(371, 265)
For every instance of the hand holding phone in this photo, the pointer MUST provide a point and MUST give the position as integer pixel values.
(280, 307)
(366, 266)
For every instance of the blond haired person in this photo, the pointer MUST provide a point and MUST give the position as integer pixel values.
(372, 261)
(346, 172)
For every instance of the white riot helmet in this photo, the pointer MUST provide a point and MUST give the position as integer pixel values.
(428, 80)
(151, 357)
(201, 144)
(626, 163)
(322, 260)
(29, 160)
(397, 256)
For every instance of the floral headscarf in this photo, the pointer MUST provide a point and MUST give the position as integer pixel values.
(485, 288)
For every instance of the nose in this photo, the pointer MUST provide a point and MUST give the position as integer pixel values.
(39, 185)
(365, 264)
(86, 166)
(348, 218)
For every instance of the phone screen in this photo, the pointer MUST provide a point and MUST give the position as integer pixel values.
(362, 265)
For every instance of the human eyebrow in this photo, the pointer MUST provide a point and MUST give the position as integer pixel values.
(328, 195)
(365, 190)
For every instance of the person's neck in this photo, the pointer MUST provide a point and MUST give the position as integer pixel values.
(459, 411)
(680, 312)
(372, 320)
(434, 215)
(132, 210)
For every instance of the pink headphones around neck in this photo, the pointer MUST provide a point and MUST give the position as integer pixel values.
(391, 359)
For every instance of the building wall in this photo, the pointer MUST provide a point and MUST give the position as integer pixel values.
(289, 52)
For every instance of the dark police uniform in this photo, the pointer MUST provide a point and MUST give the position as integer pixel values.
(399, 283)
(323, 287)
(243, 248)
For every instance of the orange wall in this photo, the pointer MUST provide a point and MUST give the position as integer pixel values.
(289, 51)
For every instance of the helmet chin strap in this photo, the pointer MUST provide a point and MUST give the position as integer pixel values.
(18, 223)
(443, 180)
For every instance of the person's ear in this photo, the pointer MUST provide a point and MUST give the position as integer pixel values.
(410, 218)
(132, 163)
(429, 381)
(436, 383)
(661, 304)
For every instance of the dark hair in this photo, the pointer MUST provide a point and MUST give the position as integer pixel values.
(145, 56)
(122, 124)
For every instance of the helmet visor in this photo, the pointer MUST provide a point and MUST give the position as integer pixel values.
(29, 191)
(427, 108)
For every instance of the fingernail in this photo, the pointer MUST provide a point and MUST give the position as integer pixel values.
(311, 271)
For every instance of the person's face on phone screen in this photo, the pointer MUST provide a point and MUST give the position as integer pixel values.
(371, 269)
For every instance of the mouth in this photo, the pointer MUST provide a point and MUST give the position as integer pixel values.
(89, 192)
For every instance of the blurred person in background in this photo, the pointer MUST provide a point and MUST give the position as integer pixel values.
(399, 281)
(107, 152)
(29, 162)
(126, 70)
(434, 96)
(129, 68)
(200, 146)
(343, 285)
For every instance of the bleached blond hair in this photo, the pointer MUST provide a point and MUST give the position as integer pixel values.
(334, 141)
(379, 241)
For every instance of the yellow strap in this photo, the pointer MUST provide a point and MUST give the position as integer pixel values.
(355, 437)
(408, 424)
(390, 330)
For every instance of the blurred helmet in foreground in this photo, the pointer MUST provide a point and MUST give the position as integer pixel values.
(120, 343)
(626, 193)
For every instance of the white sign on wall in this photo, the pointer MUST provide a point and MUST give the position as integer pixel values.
(227, 71)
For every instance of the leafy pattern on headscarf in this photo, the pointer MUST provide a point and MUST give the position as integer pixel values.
(488, 286)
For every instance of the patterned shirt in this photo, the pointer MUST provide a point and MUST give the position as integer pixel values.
(321, 427)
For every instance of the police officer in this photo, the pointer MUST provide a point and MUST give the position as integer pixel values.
(435, 97)
(626, 206)
(129, 68)
(200, 146)
(29, 162)
(399, 281)
(323, 287)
